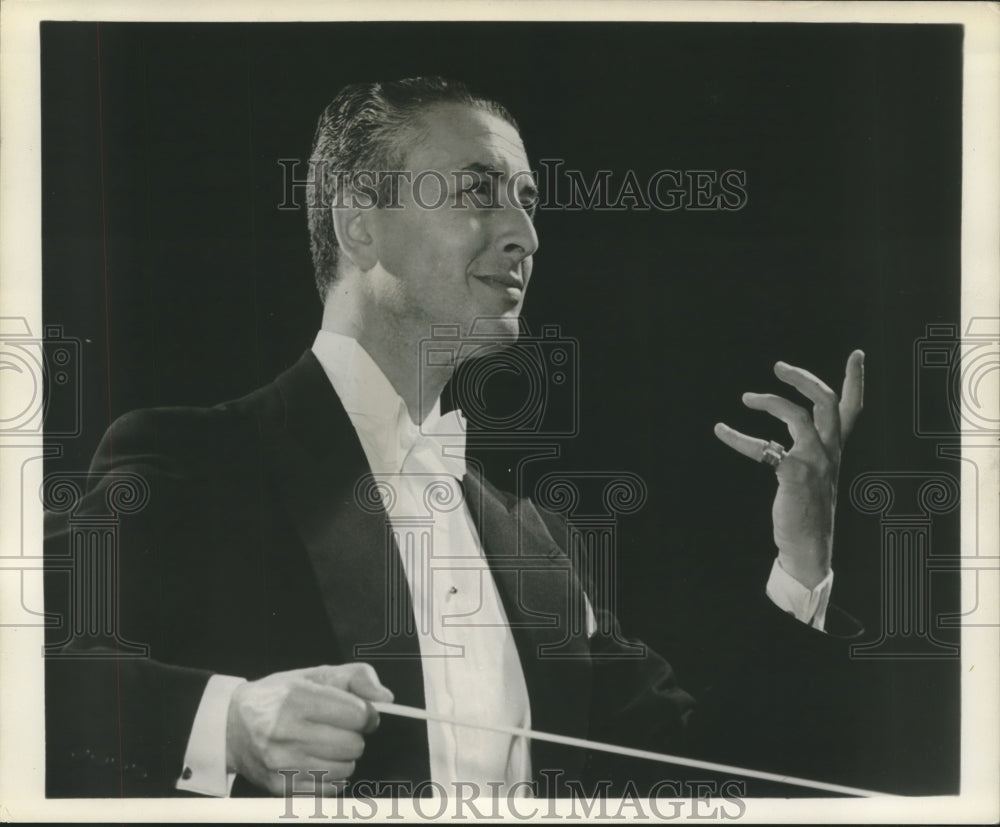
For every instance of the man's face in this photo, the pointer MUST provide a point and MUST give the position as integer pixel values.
(460, 245)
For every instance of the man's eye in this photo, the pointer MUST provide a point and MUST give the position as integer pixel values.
(475, 185)
(478, 193)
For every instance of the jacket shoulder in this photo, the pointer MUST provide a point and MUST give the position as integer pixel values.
(188, 436)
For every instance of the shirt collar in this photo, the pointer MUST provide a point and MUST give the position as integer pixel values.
(378, 413)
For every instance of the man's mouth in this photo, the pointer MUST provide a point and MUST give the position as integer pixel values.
(502, 282)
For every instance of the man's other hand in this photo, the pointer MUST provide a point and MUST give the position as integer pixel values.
(306, 720)
(804, 505)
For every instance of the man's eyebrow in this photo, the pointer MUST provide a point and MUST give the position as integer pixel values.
(485, 169)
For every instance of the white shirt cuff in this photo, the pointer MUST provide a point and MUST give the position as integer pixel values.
(807, 605)
(205, 769)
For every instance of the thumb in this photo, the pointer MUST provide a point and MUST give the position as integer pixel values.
(357, 678)
(364, 683)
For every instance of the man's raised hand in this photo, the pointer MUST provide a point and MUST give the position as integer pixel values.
(311, 719)
(804, 506)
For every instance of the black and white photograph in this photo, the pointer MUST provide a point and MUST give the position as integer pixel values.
(500, 414)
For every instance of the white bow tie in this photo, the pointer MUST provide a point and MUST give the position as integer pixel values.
(435, 446)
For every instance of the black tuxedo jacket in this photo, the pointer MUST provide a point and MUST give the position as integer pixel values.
(258, 551)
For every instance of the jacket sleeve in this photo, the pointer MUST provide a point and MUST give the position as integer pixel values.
(117, 719)
(770, 693)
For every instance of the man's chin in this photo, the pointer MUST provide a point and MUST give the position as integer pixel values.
(504, 329)
(488, 334)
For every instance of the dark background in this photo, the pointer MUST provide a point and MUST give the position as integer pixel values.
(165, 253)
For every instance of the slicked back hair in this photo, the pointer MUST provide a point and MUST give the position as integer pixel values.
(367, 128)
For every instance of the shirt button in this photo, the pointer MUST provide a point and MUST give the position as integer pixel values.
(186, 775)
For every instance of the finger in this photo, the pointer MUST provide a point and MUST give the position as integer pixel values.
(749, 446)
(324, 741)
(799, 422)
(359, 678)
(374, 719)
(287, 757)
(311, 768)
(826, 415)
(318, 769)
(365, 684)
(853, 393)
(329, 705)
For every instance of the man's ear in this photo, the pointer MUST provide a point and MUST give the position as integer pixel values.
(353, 236)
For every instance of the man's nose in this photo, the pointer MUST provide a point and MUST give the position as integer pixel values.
(516, 234)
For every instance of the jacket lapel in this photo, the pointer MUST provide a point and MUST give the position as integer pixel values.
(326, 487)
(541, 595)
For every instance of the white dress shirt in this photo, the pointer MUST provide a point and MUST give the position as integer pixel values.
(470, 664)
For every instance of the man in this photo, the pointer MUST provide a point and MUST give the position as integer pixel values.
(260, 574)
